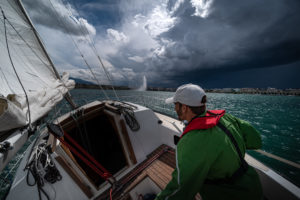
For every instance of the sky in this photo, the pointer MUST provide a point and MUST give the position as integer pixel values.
(213, 43)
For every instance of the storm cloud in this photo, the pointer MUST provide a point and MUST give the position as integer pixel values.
(172, 41)
(56, 15)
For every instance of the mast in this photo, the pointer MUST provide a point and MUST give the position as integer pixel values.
(68, 95)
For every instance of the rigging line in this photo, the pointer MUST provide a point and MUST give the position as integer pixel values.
(288, 162)
(86, 134)
(78, 129)
(26, 64)
(35, 54)
(29, 114)
(103, 66)
(68, 95)
(25, 41)
(94, 76)
(36, 141)
(93, 47)
(16, 9)
(108, 77)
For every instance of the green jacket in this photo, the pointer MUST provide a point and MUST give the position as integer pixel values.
(210, 154)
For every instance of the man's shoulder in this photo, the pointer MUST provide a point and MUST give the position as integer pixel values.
(201, 134)
(208, 139)
(229, 118)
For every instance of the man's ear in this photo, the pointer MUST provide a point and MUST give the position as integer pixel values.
(184, 108)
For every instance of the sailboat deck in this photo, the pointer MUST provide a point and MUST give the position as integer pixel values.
(159, 171)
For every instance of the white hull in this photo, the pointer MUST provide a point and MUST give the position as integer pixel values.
(136, 145)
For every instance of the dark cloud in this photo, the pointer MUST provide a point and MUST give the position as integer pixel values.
(103, 14)
(55, 15)
(283, 76)
(173, 41)
(236, 35)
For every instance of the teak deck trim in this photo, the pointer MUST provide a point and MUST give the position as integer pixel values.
(167, 160)
(68, 168)
(160, 172)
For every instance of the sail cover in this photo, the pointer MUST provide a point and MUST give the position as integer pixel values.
(30, 62)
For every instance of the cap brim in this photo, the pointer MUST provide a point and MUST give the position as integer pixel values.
(170, 100)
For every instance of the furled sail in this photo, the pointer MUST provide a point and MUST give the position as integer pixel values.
(27, 75)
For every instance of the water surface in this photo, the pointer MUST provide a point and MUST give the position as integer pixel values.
(276, 117)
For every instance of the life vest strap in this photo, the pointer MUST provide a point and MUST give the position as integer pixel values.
(240, 171)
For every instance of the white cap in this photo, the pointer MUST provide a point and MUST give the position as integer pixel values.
(188, 94)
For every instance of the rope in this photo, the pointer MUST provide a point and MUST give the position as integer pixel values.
(100, 173)
(296, 165)
(110, 194)
(94, 76)
(27, 101)
(89, 161)
(105, 172)
(108, 76)
(86, 136)
(23, 39)
(68, 97)
(93, 47)
(41, 167)
(82, 133)
(129, 116)
(38, 138)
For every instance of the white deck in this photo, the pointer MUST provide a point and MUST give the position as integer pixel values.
(151, 135)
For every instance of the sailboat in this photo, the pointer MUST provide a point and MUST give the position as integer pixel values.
(101, 150)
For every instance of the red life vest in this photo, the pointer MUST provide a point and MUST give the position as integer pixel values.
(210, 120)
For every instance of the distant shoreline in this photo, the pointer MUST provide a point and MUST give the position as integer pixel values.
(263, 91)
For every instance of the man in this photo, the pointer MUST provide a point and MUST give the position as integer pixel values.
(210, 152)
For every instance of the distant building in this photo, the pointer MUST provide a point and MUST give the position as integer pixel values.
(249, 90)
(227, 90)
(292, 92)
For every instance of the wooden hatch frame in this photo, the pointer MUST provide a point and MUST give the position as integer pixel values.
(119, 126)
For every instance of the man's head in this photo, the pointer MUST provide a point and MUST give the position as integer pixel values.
(189, 100)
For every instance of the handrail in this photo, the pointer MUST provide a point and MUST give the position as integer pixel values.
(291, 163)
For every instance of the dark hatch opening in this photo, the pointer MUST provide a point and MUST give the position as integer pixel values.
(99, 138)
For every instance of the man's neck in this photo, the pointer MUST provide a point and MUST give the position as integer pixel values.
(190, 116)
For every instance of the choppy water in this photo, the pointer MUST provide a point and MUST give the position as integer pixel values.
(276, 117)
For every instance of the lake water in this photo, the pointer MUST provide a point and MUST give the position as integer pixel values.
(276, 117)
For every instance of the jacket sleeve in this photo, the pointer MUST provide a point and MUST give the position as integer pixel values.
(192, 166)
(251, 136)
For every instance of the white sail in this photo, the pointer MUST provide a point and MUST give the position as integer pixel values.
(27, 55)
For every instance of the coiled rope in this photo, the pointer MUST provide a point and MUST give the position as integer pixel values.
(128, 114)
(41, 168)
